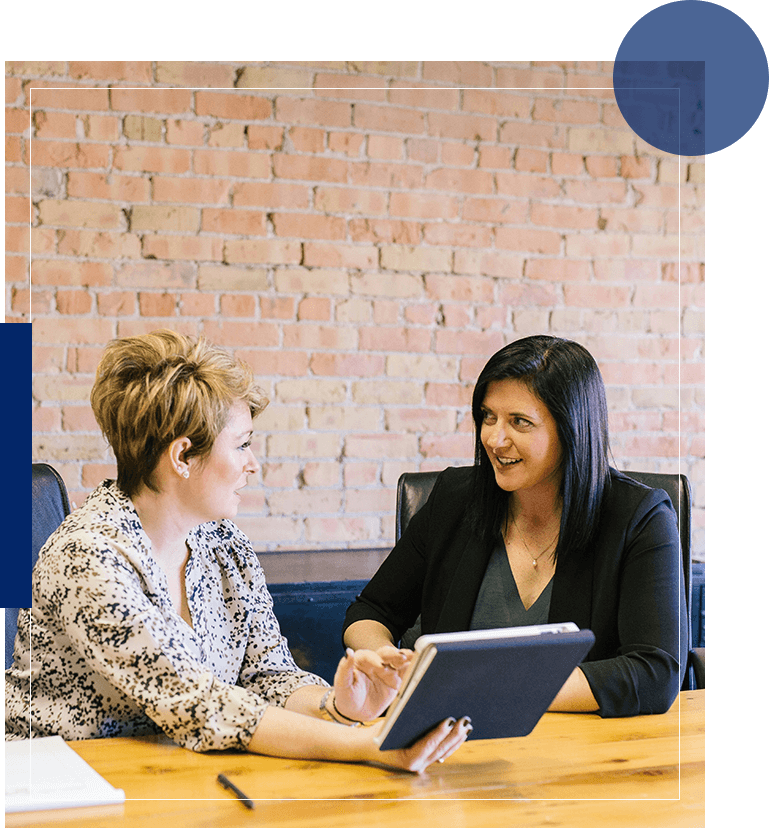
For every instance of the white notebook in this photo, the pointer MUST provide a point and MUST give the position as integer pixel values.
(42, 774)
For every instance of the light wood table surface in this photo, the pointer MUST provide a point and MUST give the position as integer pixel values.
(572, 770)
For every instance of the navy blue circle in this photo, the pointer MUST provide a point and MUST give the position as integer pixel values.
(691, 77)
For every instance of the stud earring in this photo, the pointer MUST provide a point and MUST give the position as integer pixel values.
(185, 473)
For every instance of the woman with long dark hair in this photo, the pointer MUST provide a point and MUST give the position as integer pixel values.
(542, 529)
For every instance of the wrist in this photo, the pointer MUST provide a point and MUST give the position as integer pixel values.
(329, 710)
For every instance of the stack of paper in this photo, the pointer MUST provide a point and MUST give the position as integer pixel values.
(46, 773)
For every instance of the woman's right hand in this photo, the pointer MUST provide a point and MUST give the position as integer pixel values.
(436, 746)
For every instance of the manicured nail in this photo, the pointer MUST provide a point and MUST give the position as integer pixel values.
(466, 722)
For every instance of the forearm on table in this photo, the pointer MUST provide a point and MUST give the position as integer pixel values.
(575, 696)
(367, 635)
(289, 733)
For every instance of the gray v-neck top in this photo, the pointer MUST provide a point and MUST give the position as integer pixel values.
(499, 604)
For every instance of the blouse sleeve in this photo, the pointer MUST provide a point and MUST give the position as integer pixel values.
(646, 673)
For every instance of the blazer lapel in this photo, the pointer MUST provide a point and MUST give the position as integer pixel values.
(572, 597)
(457, 609)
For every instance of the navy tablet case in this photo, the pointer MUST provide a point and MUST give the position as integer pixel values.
(504, 685)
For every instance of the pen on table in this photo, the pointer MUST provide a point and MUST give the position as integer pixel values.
(225, 783)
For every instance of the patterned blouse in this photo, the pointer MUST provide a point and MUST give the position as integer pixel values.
(110, 656)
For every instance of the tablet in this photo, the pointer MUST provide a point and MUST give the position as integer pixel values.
(503, 679)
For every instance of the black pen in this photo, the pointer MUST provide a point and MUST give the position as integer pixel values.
(225, 783)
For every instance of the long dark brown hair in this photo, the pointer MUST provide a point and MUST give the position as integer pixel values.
(565, 377)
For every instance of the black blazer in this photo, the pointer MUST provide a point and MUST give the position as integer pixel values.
(628, 589)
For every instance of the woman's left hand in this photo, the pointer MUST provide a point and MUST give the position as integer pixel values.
(366, 681)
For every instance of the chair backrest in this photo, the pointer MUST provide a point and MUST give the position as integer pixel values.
(50, 505)
(414, 488)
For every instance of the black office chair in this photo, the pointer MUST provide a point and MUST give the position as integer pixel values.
(50, 505)
(414, 488)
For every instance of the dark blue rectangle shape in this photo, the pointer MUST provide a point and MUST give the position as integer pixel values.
(503, 685)
(16, 346)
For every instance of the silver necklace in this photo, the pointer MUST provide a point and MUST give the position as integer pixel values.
(534, 559)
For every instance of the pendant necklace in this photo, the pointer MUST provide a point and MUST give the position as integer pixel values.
(534, 559)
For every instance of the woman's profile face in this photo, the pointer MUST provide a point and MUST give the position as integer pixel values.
(520, 437)
(215, 481)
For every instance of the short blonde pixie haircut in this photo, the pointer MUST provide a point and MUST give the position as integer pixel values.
(152, 389)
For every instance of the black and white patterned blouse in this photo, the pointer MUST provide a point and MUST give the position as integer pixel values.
(110, 656)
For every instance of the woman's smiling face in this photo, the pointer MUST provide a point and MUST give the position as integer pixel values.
(215, 480)
(520, 437)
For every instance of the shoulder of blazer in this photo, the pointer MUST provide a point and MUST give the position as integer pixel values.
(452, 489)
(628, 501)
(626, 489)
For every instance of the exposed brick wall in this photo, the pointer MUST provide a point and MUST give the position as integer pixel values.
(366, 240)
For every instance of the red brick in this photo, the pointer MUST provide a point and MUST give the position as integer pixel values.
(468, 342)
(277, 307)
(388, 119)
(233, 222)
(168, 101)
(234, 163)
(349, 143)
(270, 194)
(597, 192)
(488, 263)
(238, 305)
(186, 133)
(557, 270)
(347, 365)
(194, 248)
(373, 174)
(498, 102)
(384, 231)
(467, 181)
(191, 190)
(461, 73)
(46, 95)
(264, 137)
(304, 139)
(116, 303)
(71, 213)
(463, 126)
(270, 251)
(566, 112)
(313, 112)
(241, 106)
(308, 226)
(529, 160)
(152, 159)
(99, 245)
(54, 124)
(633, 167)
(139, 71)
(457, 235)
(317, 254)
(314, 308)
(69, 155)
(596, 296)
(455, 445)
(597, 245)
(567, 163)
(72, 302)
(524, 185)
(423, 205)
(67, 272)
(532, 135)
(157, 304)
(310, 168)
(564, 216)
(192, 74)
(494, 157)
(385, 147)
(345, 200)
(601, 166)
(319, 337)
(414, 340)
(112, 187)
(531, 241)
(496, 210)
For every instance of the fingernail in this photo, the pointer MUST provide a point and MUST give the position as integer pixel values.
(466, 722)
(452, 721)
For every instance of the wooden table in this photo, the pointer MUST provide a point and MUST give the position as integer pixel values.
(572, 770)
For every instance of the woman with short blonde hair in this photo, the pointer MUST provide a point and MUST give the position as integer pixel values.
(149, 389)
(150, 610)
